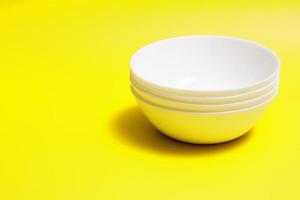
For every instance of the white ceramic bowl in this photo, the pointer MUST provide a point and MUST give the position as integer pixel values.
(206, 99)
(205, 107)
(205, 65)
(202, 127)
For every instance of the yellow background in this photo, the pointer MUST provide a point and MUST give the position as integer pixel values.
(70, 129)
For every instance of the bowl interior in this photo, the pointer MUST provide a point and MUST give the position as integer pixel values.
(204, 63)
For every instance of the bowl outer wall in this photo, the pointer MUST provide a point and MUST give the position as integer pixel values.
(201, 128)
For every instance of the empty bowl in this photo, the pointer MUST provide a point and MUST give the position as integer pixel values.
(204, 89)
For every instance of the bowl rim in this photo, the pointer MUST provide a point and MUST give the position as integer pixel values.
(212, 112)
(165, 95)
(273, 90)
(226, 91)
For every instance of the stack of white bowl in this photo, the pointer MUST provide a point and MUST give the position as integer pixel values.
(204, 89)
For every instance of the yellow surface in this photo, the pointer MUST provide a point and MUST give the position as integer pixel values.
(70, 129)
